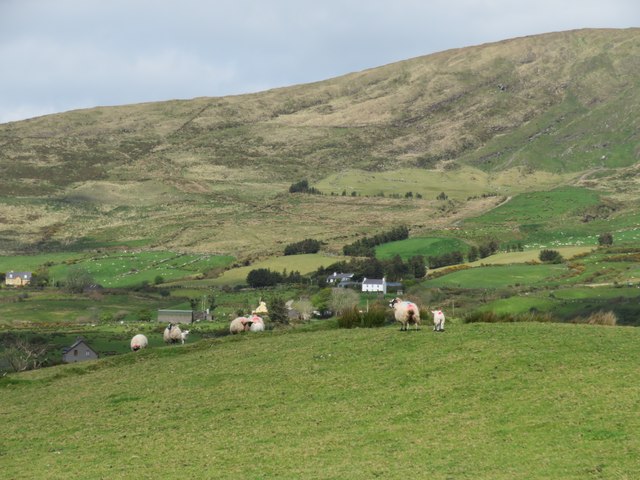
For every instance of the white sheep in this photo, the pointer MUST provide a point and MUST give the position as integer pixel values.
(172, 334)
(239, 324)
(184, 335)
(438, 320)
(407, 313)
(138, 342)
(257, 323)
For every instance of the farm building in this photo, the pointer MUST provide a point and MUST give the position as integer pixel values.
(175, 316)
(17, 279)
(337, 278)
(374, 285)
(80, 351)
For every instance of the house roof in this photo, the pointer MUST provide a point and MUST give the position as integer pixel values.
(78, 342)
(374, 281)
(339, 276)
(24, 275)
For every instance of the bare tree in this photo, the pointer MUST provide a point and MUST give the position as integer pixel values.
(343, 299)
(22, 354)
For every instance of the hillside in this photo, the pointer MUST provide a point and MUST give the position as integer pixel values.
(510, 401)
(211, 174)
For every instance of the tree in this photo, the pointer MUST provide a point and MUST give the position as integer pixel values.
(22, 354)
(605, 239)
(473, 253)
(78, 278)
(343, 299)
(417, 266)
(278, 311)
(550, 256)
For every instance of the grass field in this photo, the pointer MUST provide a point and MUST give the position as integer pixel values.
(304, 264)
(509, 401)
(425, 246)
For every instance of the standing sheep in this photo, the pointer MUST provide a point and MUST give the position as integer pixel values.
(438, 320)
(184, 335)
(138, 342)
(172, 334)
(407, 313)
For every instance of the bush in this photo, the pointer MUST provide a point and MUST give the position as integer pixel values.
(550, 256)
(350, 318)
(375, 317)
(493, 317)
(599, 318)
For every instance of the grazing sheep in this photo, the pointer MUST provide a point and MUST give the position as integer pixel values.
(240, 324)
(257, 324)
(172, 334)
(438, 320)
(139, 342)
(407, 313)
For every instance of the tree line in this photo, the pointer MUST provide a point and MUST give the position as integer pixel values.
(365, 247)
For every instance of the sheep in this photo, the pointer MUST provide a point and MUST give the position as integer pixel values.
(138, 342)
(407, 313)
(438, 320)
(172, 334)
(257, 324)
(184, 335)
(239, 324)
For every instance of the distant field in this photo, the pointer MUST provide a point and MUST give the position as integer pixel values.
(498, 276)
(119, 269)
(539, 207)
(128, 269)
(425, 246)
(459, 184)
(302, 263)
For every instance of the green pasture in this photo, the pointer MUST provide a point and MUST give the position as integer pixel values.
(499, 276)
(533, 208)
(425, 246)
(304, 264)
(502, 402)
(116, 270)
(31, 263)
(458, 184)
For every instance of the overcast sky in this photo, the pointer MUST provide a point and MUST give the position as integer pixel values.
(59, 55)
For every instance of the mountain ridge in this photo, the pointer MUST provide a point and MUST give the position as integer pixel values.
(564, 103)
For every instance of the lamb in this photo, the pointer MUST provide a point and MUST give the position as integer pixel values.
(257, 324)
(407, 313)
(438, 320)
(173, 334)
(239, 324)
(184, 335)
(138, 342)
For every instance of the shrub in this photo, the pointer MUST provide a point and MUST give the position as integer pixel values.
(375, 317)
(350, 318)
(599, 318)
(550, 256)
(493, 317)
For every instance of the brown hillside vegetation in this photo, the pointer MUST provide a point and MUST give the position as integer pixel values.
(212, 173)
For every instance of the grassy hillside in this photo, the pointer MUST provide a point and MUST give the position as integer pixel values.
(211, 174)
(510, 401)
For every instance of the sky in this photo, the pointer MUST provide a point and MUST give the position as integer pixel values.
(61, 55)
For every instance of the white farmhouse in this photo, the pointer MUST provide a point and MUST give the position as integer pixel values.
(374, 285)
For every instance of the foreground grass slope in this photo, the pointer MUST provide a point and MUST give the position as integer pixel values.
(511, 401)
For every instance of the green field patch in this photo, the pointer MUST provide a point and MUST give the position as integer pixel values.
(540, 207)
(304, 264)
(425, 246)
(499, 276)
(113, 270)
